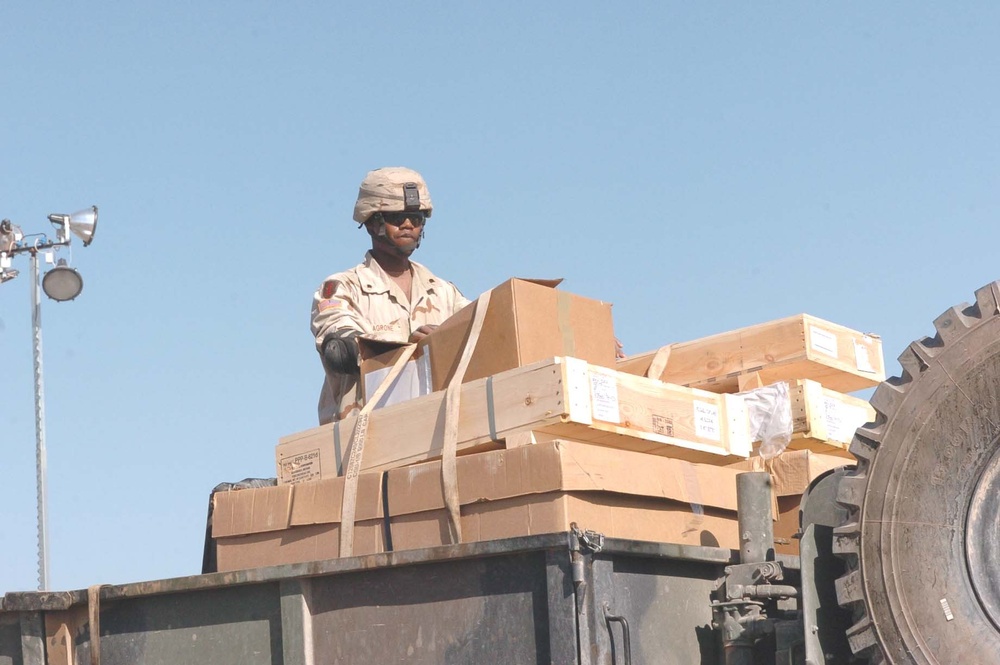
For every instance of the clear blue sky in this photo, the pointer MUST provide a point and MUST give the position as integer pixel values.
(702, 166)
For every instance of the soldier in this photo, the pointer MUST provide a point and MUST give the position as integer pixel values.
(388, 296)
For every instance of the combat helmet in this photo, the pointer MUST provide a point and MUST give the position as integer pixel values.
(391, 189)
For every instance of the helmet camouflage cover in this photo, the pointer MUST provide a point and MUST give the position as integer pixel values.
(391, 189)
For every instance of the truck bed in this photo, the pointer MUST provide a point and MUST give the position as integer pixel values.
(567, 598)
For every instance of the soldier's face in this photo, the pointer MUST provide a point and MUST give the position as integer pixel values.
(402, 232)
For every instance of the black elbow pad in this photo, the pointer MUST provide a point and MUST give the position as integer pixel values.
(340, 355)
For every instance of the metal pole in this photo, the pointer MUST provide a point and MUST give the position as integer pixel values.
(40, 462)
(753, 504)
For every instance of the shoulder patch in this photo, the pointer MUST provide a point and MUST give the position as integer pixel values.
(330, 303)
(328, 288)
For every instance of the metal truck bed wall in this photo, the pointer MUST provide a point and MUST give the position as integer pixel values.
(540, 599)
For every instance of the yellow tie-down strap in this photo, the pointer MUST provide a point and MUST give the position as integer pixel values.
(356, 453)
(452, 399)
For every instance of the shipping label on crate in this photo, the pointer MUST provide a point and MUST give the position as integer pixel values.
(864, 361)
(300, 468)
(842, 420)
(604, 396)
(823, 341)
(706, 421)
(663, 425)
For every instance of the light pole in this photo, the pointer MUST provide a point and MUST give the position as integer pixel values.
(60, 283)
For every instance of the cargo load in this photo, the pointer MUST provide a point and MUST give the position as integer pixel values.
(530, 384)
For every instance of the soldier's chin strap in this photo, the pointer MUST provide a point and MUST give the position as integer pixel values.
(398, 249)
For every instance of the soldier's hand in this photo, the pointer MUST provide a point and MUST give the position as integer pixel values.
(619, 349)
(421, 332)
(340, 355)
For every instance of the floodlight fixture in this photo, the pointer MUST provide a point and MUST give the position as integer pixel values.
(10, 235)
(82, 224)
(62, 283)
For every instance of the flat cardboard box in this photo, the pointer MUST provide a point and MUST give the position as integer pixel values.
(615, 516)
(791, 473)
(546, 487)
(527, 321)
(529, 490)
(555, 398)
(797, 347)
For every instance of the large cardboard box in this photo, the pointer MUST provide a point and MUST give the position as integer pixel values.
(544, 488)
(527, 321)
(269, 526)
(797, 347)
(791, 473)
(555, 398)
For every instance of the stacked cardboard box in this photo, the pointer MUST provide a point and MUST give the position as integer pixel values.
(543, 488)
(527, 321)
(552, 431)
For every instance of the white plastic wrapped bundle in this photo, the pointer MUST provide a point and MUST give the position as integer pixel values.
(769, 410)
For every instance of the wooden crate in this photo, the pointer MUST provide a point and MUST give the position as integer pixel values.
(824, 420)
(797, 347)
(560, 397)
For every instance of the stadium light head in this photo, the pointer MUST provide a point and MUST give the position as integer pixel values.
(10, 235)
(82, 224)
(62, 283)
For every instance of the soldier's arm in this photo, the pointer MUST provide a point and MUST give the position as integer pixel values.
(336, 323)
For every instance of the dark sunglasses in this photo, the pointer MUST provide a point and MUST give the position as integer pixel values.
(416, 217)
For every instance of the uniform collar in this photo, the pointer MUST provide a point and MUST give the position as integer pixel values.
(375, 280)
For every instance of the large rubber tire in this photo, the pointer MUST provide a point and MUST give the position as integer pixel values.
(922, 542)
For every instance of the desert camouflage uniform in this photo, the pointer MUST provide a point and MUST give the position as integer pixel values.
(365, 300)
